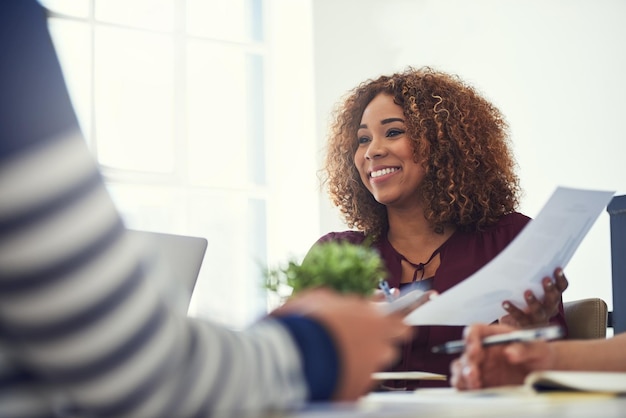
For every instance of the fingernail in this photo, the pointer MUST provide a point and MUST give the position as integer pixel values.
(560, 274)
(465, 331)
(529, 296)
(549, 284)
(506, 305)
(466, 370)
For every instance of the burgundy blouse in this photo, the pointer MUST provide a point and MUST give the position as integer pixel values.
(460, 256)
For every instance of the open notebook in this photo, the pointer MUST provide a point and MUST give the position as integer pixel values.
(609, 382)
(175, 261)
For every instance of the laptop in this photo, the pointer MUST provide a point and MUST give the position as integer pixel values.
(176, 259)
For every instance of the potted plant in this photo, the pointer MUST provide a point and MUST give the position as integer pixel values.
(342, 266)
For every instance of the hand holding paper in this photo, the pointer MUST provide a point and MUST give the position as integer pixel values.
(547, 242)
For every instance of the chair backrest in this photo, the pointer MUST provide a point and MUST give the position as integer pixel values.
(586, 318)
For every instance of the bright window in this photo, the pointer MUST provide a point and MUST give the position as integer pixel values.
(201, 115)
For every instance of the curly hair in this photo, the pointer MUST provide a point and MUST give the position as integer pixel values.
(461, 137)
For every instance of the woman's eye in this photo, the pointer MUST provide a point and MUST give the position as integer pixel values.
(394, 132)
(363, 140)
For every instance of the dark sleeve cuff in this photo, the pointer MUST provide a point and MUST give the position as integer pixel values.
(320, 359)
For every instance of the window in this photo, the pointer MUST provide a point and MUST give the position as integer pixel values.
(200, 114)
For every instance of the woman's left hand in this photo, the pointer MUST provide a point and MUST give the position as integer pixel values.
(537, 312)
(380, 296)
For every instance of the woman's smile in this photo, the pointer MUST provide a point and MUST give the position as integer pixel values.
(380, 174)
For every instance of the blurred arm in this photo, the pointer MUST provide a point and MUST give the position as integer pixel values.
(80, 322)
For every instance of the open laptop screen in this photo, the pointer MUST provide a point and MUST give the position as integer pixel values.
(176, 260)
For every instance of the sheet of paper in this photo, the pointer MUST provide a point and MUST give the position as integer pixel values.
(547, 242)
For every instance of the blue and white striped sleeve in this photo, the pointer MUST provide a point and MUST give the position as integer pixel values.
(83, 329)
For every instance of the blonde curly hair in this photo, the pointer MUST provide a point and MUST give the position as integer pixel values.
(462, 139)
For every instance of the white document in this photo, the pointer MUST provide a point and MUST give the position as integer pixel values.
(547, 242)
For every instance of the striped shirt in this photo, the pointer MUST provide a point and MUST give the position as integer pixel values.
(84, 331)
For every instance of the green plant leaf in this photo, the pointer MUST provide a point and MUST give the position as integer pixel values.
(343, 266)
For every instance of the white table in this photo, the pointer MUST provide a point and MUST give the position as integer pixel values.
(443, 405)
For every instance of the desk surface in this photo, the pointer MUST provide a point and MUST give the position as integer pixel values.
(401, 405)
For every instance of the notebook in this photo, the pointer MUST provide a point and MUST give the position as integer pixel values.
(177, 260)
(584, 381)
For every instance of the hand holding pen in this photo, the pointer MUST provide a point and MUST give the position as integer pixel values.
(406, 302)
(384, 286)
(489, 361)
(521, 335)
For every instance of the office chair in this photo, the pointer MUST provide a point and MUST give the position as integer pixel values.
(586, 318)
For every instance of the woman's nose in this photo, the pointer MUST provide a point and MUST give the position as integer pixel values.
(374, 150)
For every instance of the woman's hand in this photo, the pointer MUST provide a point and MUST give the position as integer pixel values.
(537, 312)
(404, 304)
(379, 295)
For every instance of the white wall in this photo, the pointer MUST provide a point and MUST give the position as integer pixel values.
(555, 68)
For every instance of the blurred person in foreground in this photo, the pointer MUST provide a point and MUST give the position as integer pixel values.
(499, 365)
(84, 329)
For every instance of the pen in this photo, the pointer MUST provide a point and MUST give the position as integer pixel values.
(406, 302)
(545, 333)
(384, 286)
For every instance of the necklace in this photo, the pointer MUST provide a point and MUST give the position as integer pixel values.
(420, 266)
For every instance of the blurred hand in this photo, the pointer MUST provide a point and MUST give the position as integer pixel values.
(497, 365)
(537, 312)
(379, 295)
(366, 338)
(414, 300)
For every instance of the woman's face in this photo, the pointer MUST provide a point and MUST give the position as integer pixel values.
(384, 157)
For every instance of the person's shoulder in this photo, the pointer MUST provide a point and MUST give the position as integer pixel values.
(513, 220)
(508, 225)
(351, 236)
(496, 236)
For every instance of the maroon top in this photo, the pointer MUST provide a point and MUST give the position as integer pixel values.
(461, 255)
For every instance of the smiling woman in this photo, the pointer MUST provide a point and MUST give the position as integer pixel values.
(419, 163)
(174, 99)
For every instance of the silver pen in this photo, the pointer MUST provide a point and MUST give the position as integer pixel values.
(544, 333)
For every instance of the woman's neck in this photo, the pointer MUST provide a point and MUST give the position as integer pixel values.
(413, 236)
